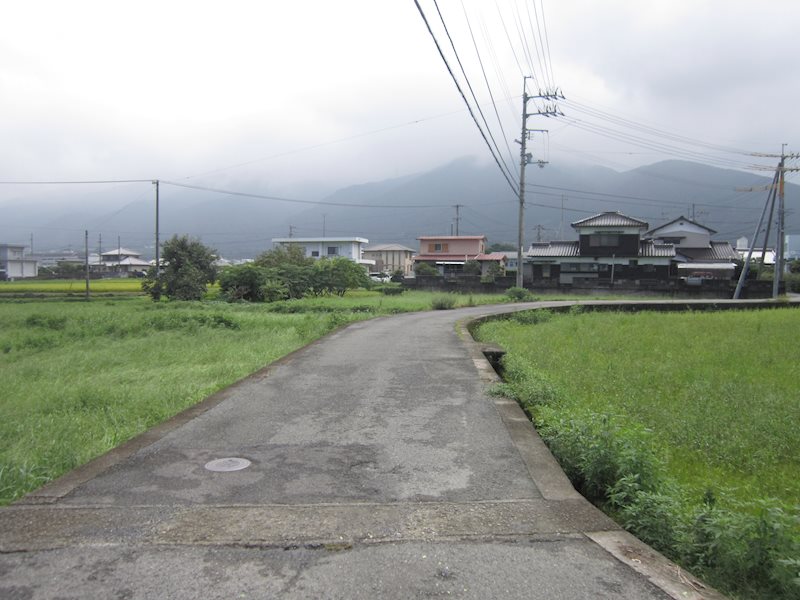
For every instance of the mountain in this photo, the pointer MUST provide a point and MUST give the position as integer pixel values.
(395, 210)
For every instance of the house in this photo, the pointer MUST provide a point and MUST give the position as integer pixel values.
(610, 248)
(390, 258)
(695, 252)
(449, 253)
(351, 248)
(743, 248)
(120, 260)
(14, 264)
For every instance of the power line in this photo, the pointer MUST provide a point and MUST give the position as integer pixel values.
(504, 169)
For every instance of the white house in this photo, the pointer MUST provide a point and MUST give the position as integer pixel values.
(695, 251)
(122, 260)
(14, 264)
(351, 248)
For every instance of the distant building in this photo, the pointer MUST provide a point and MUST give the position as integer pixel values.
(14, 264)
(351, 248)
(609, 249)
(743, 248)
(449, 253)
(694, 250)
(390, 258)
(120, 260)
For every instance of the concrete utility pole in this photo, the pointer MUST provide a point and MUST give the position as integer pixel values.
(86, 259)
(776, 192)
(158, 251)
(525, 158)
(458, 218)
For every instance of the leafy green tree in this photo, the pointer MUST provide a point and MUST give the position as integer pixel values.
(290, 268)
(244, 282)
(187, 271)
(337, 275)
(502, 247)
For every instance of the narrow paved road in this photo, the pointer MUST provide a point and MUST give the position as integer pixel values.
(379, 467)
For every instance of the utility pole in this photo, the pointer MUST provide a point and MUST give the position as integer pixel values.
(291, 230)
(458, 218)
(31, 243)
(119, 255)
(526, 158)
(323, 224)
(99, 249)
(158, 253)
(561, 230)
(86, 260)
(780, 242)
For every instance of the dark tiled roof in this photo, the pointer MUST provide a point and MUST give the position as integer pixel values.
(649, 249)
(553, 249)
(721, 251)
(610, 219)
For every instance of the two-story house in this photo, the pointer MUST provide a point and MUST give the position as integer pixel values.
(448, 253)
(610, 248)
(695, 251)
(14, 264)
(351, 248)
(390, 258)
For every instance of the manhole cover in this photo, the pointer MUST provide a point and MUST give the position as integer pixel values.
(228, 464)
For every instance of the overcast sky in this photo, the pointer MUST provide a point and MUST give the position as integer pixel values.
(283, 97)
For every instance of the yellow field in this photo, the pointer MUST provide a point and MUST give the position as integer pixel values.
(71, 286)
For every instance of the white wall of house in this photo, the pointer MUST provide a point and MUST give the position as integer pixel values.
(329, 247)
(14, 264)
(683, 234)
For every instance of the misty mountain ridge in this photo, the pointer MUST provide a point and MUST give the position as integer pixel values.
(399, 209)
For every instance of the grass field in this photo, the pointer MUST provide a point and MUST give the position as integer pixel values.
(718, 390)
(683, 426)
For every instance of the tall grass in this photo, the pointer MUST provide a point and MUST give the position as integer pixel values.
(683, 426)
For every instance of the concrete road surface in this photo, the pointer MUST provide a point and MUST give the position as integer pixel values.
(371, 464)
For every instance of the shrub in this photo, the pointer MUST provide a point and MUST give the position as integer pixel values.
(518, 294)
(425, 270)
(443, 302)
(389, 289)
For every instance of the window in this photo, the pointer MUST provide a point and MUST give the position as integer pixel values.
(434, 247)
(604, 239)
(333, 250)
(315, 253)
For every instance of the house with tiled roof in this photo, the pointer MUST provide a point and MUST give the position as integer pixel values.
(610, 248)
(449, 253)
(695, 251)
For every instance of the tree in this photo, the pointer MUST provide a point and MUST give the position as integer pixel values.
(245, 282)
(337, 275)
(188, 269)
(502, 247)
(291, 269)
